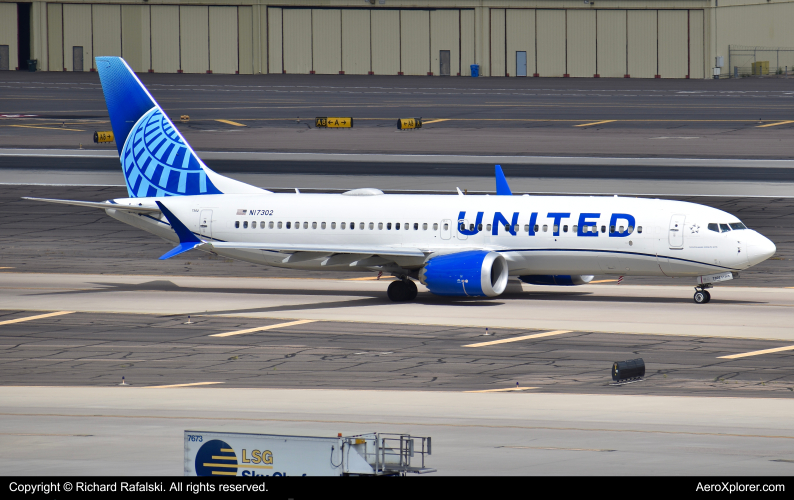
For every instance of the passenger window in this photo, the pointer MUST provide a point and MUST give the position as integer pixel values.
(416, 226)
(289, 225)
(575, 229)
(631, 229)
(352, 225)
(714, 227)
(435, 226)
(537, 228)
(380, 225)
(446, 226)
(388, 226)
(371, 226)
(314, 225)
(396, 225)
(479, 227)
(611, 229)
(245, 224)
(306, 225)
(737, 225)
(270, 225)
(237, 223)
(406, 226)
(424, 226)
(725, 228)
(342, 225)
(526, 228)
(461, 227)
(639, 229)
(279, 224)
(565, 228)
(507, 227)
(322, 225)
(488, 228)
(556, 228)
(603, 229)
(545, 228)
(620, 229)
(333, 225)
(297, 225)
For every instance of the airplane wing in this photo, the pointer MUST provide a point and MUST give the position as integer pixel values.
(101, 204)
(348, 249)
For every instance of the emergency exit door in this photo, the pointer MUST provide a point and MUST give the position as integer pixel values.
(676, 233)
(521, 63)
(205, 223)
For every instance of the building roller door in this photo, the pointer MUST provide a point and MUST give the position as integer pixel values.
(8, 36)
(551, 42)
(77, 33)
(274, 40)
(673, 49)
(223, 40)
(386, 43)
(54, 36)
(445, 36)
(297, 44)
(165, 38)
(356, 42)
(581, 43)
(136, 37)
(520, 35)
(466, 41)
(611, 53)
(696, 56)
(194, 39)
(415, 42)
(327, 41)
(245, 27)
(642, 44)
(498, 65)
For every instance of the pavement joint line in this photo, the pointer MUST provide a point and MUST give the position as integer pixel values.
(523, 337)
(758, 353)
(775, 124)
(263, 328)
(594, 123)
(381, 422)
(229, 122)
(31, 318)
(47, 128)
(180, 385)
(509, 389)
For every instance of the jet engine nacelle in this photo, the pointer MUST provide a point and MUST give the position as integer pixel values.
(559, 280)
(476, 273)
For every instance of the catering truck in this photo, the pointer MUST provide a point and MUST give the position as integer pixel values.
(237, 454)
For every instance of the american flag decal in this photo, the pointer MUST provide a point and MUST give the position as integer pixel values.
(241, 211)
(620, 280)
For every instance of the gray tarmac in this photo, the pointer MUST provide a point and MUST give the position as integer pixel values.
(648, 118)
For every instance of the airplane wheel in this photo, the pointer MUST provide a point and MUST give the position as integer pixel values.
(402, 291)
(708, 296)
(701, 297)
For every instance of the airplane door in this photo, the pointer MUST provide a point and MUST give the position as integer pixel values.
(205, 223)
(676, 234)
(462, 224)
(446, 229)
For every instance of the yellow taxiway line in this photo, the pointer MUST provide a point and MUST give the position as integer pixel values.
(775, 124)
(262, 328)
(30, 318)
(180, 385)
(594, 123)
(47, 128)
(515, 339)
(436, 121)
(758, 353)
(229, 122)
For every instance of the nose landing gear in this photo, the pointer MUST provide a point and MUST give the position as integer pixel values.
(403, 290)
(702, 296)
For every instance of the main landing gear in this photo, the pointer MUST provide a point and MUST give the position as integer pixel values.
(702, 296)
(403, 290)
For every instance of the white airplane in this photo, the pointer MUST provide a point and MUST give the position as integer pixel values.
(464, 245)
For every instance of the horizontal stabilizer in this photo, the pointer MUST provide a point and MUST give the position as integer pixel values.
(362, 250)
(104, 205)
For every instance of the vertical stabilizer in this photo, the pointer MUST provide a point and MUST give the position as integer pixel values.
(157, 161)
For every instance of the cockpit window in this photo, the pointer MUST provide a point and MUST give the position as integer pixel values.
(724, 228)
(714, 227)
(737, 225)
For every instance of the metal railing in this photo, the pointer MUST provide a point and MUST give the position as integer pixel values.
(393, 454)
(741, 59)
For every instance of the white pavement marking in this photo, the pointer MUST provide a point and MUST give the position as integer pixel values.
(516, 339)
(31, 318)
(509, 389)
(757, 353)
(180, 385)
(263, 328)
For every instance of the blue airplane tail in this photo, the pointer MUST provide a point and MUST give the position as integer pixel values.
(155, 158)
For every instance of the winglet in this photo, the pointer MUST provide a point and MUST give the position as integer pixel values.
(187, 240)
(502, 189)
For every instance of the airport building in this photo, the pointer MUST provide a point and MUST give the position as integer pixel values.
(508, 38)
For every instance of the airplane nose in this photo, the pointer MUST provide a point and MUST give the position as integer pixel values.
(759, 249)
